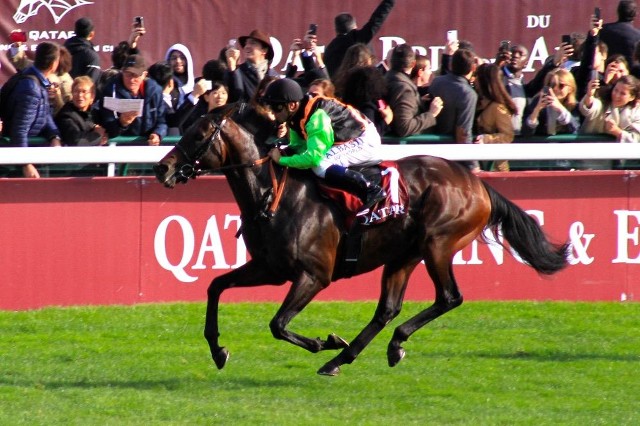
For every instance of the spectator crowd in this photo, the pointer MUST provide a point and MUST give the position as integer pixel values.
(589, 85)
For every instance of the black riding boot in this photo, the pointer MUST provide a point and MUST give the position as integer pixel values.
(355, 183)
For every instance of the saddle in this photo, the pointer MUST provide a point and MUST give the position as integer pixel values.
(385, 174)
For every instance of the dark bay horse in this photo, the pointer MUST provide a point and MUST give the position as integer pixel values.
(298, 237)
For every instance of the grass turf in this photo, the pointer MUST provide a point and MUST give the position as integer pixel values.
(492, 363)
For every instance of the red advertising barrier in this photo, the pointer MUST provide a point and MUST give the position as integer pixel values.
(85, 241)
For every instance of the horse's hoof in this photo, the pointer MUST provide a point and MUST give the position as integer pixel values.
(395, 356)
(329, 369)
(336, 342)
(221, 358)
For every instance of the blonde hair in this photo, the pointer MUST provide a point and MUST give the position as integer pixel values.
(564, 76)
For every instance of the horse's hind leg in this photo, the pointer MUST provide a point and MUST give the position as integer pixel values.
(447, 297)
(394, 284)
(302, 292)
(250, 274)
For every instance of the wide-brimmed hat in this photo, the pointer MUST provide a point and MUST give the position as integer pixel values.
(135, 63)
(263, 38)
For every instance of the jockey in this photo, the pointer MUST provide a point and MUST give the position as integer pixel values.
(326, 136)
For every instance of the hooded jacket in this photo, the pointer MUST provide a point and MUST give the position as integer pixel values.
(184, 88)
(85, 60)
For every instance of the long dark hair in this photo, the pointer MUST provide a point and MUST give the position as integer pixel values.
(490, 86)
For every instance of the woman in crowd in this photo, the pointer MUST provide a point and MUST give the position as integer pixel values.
(75, 120)
(494, 111)
(366, 89)
(358, 55)
(216, 97)
(554, 109)
(61, 81)
(616, 114)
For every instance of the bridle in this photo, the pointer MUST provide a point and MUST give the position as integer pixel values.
(190, 168)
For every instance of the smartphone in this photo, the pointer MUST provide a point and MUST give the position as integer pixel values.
(381, 104)
(595, 75)
(208, 85)
(596, 12)
(505, 45)
(18, 36)
(313, 29)
(232, 43)
(452, 35)
(546, 90)
(138, 21)
(566, 38)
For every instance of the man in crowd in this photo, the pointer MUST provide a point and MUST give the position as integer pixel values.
(243, 79)
(85, 59)
(621, 36)
(348, 34)
(133, 83)
(410, 114)
(459, 100)
(30, 113)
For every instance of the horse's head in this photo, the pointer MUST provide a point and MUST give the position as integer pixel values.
(224, 138)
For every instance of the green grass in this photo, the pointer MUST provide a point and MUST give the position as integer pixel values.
(481, 364)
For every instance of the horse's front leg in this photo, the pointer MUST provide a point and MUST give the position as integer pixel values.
(252, 273)
(302, 291)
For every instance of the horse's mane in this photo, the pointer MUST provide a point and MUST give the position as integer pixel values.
(247, 116)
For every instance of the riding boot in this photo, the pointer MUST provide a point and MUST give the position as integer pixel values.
(355, 183)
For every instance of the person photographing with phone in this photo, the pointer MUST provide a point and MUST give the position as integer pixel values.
(242, 79)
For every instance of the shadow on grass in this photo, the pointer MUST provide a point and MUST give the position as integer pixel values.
(226, 382)
(555, 356)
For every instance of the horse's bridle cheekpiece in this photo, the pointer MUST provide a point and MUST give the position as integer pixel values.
(189, 170)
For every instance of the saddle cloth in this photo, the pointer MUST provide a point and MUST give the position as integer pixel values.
(387, 175)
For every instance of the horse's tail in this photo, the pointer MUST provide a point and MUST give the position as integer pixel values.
(525, 235)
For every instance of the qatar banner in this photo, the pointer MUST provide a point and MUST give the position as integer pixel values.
(205, 26)
(97, 241)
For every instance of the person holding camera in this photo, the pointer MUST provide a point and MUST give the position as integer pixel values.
(306, 52)
(243, 79)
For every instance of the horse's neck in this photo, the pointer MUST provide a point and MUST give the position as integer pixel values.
(250, 186)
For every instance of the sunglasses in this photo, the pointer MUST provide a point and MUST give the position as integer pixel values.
(558, 85)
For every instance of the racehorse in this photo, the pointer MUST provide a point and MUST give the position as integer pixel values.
(294, 234)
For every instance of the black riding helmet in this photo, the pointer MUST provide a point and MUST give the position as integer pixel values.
(282, 91)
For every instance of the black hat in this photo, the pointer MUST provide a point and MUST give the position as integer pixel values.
(83, 27)
(282, 91)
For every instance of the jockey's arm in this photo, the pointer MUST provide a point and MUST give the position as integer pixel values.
(311, 151)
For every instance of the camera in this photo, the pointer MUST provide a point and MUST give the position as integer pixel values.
(138, 21)
(313, 29)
